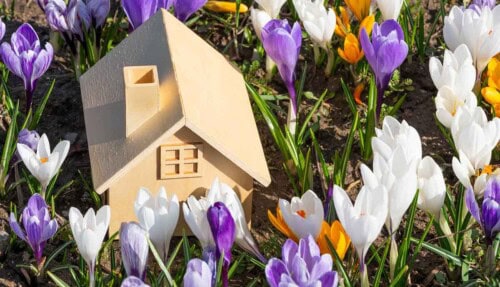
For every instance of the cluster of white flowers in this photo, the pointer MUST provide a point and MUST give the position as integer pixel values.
(474, 38)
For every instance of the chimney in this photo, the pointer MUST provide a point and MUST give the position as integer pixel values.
(141, 95)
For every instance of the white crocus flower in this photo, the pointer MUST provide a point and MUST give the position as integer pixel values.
(456, 71)
(448, 101)
(259, 20)
(272, 7)
(195, 214)
(158, 215)
(318, 22)
(431, 185)
(475, 138)
(479, 31)
(304, 215)
(394, 134)
(390, 9)
(88, 232)
(363, 220)
(398, 176)
(44, 164)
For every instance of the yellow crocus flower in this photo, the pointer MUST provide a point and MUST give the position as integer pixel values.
(367, 23)
(352, 52)
(337, 236)
(343, 26)
(494, 73)
(491, 93)
(225, 7)
(360, 8)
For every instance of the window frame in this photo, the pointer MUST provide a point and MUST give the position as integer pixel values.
(179, 161)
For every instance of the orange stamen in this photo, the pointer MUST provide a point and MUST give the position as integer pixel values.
(44, 159)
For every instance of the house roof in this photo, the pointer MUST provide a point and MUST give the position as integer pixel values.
(199, 89)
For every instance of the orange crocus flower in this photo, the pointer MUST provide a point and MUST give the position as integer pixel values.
(357, 93)
(343, 26)
(225, 7)
(360, 8)
(337, 236)
(335, 233)
(352, 52)
(280, 224)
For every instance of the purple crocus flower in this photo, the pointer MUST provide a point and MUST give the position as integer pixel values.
(198, 274)
(25, 58)
(133, 281)
(55, 13)
(223, 230)
(78, 18)
(302, 265)
(478, 5)
(489, 214)
(42, 4)
(38, 226)
(165, 4)
(28, 138)
(135, 249)
(385, 53)
(282, 43)
(185, 8)
(139, 11)
(98, 10)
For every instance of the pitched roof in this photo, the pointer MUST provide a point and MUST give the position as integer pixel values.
(198, 89)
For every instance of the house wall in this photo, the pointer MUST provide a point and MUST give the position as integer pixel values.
(121, 196)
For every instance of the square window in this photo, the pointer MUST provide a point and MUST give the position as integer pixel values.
(180, 161)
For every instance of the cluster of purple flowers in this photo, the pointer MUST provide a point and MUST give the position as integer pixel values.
(139, 11)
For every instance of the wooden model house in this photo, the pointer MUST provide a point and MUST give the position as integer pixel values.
(164, 108)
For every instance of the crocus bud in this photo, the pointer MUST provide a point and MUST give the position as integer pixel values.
(157, 215)
(198, 274)
(134, 248)
(386, 51)
(223, 230)
(431, 185)
(99, 10)
(489, 214)
(89, 232)
(38, 226)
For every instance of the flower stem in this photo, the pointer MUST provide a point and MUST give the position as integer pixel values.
(29, 100)
(317, 54)
(364, 276)
(393, 257)
(92, 274)
(329, 63)
(291, 120)
(269, 68)
(445, 227)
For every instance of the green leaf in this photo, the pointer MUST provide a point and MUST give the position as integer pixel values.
(440, 251)
(58, 281)
(55, 253)
(338, 263)
(171, 282)
(300, 136)
(39, 111)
